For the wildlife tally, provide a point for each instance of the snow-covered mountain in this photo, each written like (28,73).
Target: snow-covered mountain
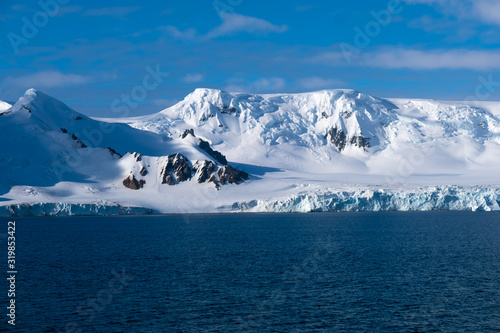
(4,106)
(337,131)
(223,151)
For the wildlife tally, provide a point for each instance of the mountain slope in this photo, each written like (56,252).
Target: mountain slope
(335,131)
(325,150)
(45,143)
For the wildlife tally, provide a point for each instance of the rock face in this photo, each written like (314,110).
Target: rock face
(79,143)
(229,175)
(138,157)
(132,183)
(187,132)
(205,146)
(360,141)
(204,171)
(169,180)
(339,139)
(177,168)
(114,153)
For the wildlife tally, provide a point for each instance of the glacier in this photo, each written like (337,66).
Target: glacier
(217,151)
(70,209)
(423,199)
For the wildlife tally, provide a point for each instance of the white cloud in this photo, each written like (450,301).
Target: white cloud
(46,79)
(235,23)
(486,11)
(329,58)
(400,58)
(111,11)
(315,82)
(262,85)
(193,78)
(174,32)
(435,59)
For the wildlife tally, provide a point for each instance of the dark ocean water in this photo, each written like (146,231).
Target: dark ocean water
(324,272)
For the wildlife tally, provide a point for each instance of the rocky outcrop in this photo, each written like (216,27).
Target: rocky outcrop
(337,138)
(204,171)
(231,109)
(132,183)
(360,141)
(340,140)
(79,143)
(229,175)
(205,146)
(187,132)
(169,180)
(177,168)
(137,156)
(114,153)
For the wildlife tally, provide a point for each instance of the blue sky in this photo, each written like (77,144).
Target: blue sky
(97,56)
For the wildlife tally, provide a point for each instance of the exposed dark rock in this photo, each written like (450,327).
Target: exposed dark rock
(345,114)
(24,106)
(78,118)
(143,171)
(64,130)
(132,183)
(114,152)
(6,113)
(228,109)
(178,166)
(212,179)
(338,138)
(169,180)
(229,175)
(187,132)
(204,170)
(182,171)
(203,118)
(138,157)
(360,141)
(178,169)
(78,141)
(205,146)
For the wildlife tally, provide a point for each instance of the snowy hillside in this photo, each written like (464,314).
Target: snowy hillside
(339,131)
(325,150)
(4,106)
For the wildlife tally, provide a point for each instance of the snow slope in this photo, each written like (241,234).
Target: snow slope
(4,106)
(324,150)
(406,138)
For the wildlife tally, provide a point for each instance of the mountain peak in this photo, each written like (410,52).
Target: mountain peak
(45,110)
